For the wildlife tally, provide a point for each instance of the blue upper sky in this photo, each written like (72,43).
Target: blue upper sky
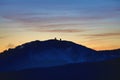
(60,7)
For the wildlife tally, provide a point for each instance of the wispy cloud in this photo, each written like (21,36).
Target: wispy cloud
(57,30)
(10,45)
(45,17)
(2,37)
(104,34)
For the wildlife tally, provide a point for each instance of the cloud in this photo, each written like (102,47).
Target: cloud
(58,30)
(2,37)
(104,34)
(85,15)
(88,10)
(10,45)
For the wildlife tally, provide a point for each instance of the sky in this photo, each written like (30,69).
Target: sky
(93,23)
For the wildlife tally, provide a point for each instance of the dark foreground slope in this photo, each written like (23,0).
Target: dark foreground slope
(108,70)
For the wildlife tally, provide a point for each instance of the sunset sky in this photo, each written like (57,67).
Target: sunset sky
(93,23)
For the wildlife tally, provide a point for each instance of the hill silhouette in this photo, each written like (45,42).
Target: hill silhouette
(54,58)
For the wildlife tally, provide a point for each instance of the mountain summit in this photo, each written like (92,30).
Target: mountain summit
(50,53)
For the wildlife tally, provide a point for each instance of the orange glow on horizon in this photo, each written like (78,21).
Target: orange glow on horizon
(94,46)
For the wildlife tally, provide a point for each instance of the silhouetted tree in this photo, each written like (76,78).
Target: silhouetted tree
(60,39)
(55,38)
